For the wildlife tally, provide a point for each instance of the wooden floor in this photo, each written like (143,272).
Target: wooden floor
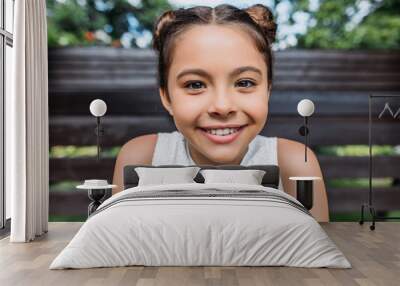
(374,255)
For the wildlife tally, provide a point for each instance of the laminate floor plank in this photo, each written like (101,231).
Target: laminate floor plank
(374,255)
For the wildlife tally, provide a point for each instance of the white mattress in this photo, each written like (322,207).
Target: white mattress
(189,230)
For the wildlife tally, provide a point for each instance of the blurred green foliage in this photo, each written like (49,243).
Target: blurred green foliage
(328,24)
(101,22)
(351,24)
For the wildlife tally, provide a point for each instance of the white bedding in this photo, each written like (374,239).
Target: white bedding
(190,230)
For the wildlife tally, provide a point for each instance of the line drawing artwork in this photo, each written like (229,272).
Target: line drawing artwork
(397,113)
(386,109)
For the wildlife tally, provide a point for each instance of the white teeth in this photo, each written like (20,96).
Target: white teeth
(222,131)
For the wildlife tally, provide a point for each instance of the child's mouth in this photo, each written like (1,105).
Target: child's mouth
(222,135)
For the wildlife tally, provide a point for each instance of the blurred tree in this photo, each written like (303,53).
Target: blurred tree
(316,24)
(350,24)
(102,22)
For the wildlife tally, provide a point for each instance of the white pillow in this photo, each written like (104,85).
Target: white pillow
(162,176)
(249,177)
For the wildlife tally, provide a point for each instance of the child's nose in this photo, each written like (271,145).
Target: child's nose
(222,104)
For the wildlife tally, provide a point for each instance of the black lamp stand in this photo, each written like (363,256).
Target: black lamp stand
(99,133)
(304,131)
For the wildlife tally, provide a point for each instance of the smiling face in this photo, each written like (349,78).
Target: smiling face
(217,85)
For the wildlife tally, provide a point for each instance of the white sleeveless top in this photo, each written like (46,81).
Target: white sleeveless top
(172,149)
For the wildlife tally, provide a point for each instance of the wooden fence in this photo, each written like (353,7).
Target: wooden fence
(338,82)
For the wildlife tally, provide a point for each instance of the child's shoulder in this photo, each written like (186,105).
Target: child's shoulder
(147,138)
(289,143)
(139,149)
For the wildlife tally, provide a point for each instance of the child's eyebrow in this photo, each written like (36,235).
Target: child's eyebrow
(203,73)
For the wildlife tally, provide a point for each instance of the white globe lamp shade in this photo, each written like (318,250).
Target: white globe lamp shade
(98,107)
(305,107)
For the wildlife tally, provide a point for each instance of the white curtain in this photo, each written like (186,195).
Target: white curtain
(27,156)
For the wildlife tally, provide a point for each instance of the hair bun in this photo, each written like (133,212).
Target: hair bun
(264,18)
(164,20)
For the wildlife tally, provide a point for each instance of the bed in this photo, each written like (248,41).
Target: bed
(201,223)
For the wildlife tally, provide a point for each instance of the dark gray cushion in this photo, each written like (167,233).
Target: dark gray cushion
(270,179)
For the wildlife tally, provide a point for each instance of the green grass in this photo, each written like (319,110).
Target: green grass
(334,217)
(64,186)
(82,151)
(355,216)
(334,150)
(67,218)
(358,183)
(357,150)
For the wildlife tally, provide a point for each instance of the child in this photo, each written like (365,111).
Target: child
(215,77)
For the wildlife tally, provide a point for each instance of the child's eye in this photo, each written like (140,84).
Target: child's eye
(194,85)
(240,83)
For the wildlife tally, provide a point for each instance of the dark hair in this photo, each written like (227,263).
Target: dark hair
(256,19)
